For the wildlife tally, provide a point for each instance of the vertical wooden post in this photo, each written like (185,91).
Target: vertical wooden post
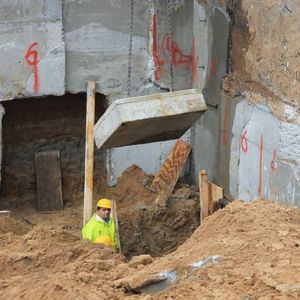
(115,217)
(204,195)
(89,152)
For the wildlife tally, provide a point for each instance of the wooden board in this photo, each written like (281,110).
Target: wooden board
(48,179)
(204,195)
(210,194)
(165,180)
(89,152)
(115,217)
(217,193)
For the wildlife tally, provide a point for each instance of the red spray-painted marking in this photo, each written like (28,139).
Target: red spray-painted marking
(31,58)
(244,142)
(273,168)
(260,164)
(157,62)
(213,67)
(194,62)
(178,56)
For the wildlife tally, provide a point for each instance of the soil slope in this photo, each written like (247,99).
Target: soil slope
(257,247)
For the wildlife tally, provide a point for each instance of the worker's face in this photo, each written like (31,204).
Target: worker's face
(104,213)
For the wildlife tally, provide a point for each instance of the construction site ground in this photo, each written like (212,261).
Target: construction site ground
(244,251)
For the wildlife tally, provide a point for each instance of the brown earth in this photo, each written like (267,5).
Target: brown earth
(146,228)
(257,244)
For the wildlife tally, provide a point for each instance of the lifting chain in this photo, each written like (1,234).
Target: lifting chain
(170,39)
(176,4)
(130,47)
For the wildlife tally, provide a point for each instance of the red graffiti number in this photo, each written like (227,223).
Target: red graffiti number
(31,58)
(244,142)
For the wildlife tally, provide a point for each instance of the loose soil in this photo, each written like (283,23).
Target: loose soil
(147,228)
(257,244)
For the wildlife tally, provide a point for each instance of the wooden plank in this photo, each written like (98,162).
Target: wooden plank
(4,213)
(89,152)
(204,195)
(48,178)
(216,195)
(115,217)
(165,180)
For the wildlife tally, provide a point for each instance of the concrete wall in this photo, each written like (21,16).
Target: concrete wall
(211,30)
(259,108)
(185,66)
(248,140)
(96,35)
(89,39)
(263,153)
(32,49)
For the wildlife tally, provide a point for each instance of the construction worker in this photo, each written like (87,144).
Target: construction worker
(101,228)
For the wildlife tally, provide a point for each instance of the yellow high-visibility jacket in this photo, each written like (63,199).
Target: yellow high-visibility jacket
(95,228)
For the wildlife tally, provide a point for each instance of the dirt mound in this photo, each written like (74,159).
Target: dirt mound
(147,228)
(245,250)
(131,190)
(8,224)
(59,263)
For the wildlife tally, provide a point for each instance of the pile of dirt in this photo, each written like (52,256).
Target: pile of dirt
(18,227)
(244,251)
(132,190)
(52,263)
(149,229)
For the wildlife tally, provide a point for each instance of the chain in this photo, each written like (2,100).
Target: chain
(130,46)
(176,4)
(169,10)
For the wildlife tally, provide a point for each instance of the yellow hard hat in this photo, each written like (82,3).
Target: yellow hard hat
(104,239)
(105,203)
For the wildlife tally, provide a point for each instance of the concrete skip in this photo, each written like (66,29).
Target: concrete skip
(150,118)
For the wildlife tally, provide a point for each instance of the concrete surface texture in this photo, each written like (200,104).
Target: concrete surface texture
(96,34)
(264,158)
(147,119)
(32,49)
(211,32)
(259,114)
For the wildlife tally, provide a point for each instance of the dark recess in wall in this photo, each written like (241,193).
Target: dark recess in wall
(43,124)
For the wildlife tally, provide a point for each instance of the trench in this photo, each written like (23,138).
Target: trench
(158,230)
(146,228)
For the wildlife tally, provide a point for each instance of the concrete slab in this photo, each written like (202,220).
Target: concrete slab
(146,119)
